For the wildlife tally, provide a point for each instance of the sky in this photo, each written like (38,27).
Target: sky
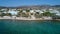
(28,2)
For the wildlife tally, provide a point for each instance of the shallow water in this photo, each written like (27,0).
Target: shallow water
(29,27)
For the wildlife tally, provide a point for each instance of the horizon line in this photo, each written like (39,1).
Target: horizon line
(26,5)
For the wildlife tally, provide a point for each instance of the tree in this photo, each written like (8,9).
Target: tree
(27,13)
(20,13)
(37,15)
(48,14)
(8,14)
(7,10)
(1,13)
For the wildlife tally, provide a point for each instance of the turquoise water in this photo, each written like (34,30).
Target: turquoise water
(29,27)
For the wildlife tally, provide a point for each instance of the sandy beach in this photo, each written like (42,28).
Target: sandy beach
(22,18)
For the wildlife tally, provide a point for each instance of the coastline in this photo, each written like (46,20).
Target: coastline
(20,18)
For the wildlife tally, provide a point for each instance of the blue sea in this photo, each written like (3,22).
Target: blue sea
(29,27)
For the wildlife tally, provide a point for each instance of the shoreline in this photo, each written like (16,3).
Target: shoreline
(23,18)
(28,19)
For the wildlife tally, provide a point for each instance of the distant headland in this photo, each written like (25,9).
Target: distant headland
(33,6)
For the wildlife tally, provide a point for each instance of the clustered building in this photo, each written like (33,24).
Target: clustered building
(31,12)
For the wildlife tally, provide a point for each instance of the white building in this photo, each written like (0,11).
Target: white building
(13,12)
(31,11)
(24,11)
(40,11)
(3,9)
(55,11)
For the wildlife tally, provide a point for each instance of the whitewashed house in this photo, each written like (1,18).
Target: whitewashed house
(31,11)
(24,11)
(44,10)
(13,12)
(50,9)
(55,11)
(3,9)
(39,11)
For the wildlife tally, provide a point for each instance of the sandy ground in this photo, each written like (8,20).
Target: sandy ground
(22,18)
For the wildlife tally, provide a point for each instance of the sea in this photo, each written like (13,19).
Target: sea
(29,27)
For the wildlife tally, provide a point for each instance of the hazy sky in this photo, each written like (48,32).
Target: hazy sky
(28,2)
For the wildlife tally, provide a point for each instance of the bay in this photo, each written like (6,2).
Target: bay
(29,27)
